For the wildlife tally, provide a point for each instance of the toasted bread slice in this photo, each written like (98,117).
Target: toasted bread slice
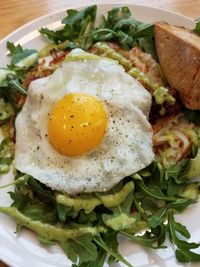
(178,52)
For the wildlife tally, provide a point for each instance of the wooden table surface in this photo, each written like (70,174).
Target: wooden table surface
(15,13)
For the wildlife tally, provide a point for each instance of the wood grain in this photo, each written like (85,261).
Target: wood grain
(15,13)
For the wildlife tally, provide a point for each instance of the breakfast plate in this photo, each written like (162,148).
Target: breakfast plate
(23,249)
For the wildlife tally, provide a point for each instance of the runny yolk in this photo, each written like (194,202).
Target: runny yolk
(77,124)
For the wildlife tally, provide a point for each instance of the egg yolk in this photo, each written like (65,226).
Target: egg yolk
(77,124)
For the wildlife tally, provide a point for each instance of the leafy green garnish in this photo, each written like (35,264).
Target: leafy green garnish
(63,212)
(110,250)
(178,171)
(13,83)
(183,251)
(118,26)
(197,27)
(152,238)
(98,262)
(22,58)
(40,211)
(83,247)
(12,78)
(78,24)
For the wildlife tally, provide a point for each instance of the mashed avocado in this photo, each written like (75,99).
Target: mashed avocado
(88,204)
(51,232)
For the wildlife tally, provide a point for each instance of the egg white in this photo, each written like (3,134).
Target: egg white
(127,145)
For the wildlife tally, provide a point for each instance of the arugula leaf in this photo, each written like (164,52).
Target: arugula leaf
(98,240)
(40,211)
(178,171)
(22,58)
(19,201)
(153,238)
(77,26)
(14,83)
(181,229)
(99,262)
(41,190)
(154,192)
(63,211)
(183,253)
(117,18)
(90,218)
(187,256)
(158,218)
(76,19)
(11,84)
(111,239)
(19,197)
(118,26)
(197,27)
(72,255)
(69,251)
(122,28)
(83,247)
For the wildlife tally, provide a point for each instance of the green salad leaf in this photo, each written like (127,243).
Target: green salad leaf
(110,250)
(22,58)
(197,27)
(40,211)
(183,248)
(178,171)
(14,83)
(118,26)
(98,262)
(77,26)
(81,249)
(12,77)
(63,212)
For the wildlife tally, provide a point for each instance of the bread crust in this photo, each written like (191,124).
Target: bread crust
(178,52)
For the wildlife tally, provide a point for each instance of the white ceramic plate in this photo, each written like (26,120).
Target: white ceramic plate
(24,249)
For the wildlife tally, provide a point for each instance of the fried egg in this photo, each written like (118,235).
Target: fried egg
(85,127)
